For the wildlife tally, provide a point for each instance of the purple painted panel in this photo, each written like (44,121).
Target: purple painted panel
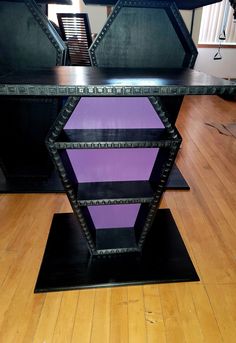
(101,165)
(114,113)
(114,216)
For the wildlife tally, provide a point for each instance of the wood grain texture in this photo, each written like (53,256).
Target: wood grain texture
(119,315)
(202,311)
(153,314)
(136,315)
(100,332)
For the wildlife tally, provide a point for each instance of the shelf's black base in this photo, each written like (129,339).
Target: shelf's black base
(35,184)
(54,185)
(68,265)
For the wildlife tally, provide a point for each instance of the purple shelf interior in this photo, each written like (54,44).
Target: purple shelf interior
(114,113)
(114,216)
(104,165)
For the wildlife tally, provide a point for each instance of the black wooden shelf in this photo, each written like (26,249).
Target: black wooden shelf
(103,138)
(96,193)
(90,81)
(181,4)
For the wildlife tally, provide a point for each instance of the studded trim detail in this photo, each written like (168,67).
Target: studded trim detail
(48,90)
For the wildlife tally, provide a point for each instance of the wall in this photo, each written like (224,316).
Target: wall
(224,68)
(187,17)
(97,16)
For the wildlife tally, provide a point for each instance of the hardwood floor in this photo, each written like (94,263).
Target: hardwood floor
(202,311)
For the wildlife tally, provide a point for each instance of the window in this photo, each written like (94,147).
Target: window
(215,19)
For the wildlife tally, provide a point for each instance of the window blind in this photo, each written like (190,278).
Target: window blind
(212,24)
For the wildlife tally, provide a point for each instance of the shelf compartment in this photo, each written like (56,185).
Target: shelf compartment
(114,113)
(114,192)
(113,216)
(115,227)
(108,165)
(100,122)
(114,176)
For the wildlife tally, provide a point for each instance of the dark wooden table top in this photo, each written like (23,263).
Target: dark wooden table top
(92,81)
(181,4)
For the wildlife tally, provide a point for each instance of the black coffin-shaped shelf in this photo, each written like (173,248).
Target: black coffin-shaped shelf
(114,163)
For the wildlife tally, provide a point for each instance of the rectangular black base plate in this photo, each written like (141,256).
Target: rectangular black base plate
(68,265)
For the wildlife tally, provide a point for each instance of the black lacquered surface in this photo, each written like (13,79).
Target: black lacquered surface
(91,80)
(116,238)
(103,136)
(67,263)
(181,4)
(126,191)
(59,2)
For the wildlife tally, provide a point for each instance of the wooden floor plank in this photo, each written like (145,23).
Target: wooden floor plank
(173,324)
(119,315)
(187,313)
(223,301)
(136,315)
(84,317)
(153,314)
(101,317)
(208,323)
(66,318)
(6,261)
(12,208)
(48,318)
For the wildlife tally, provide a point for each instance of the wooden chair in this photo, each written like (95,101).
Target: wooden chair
(75,30)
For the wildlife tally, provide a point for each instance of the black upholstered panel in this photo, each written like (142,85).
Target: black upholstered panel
(124,47)
(144,34)
(27,38)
